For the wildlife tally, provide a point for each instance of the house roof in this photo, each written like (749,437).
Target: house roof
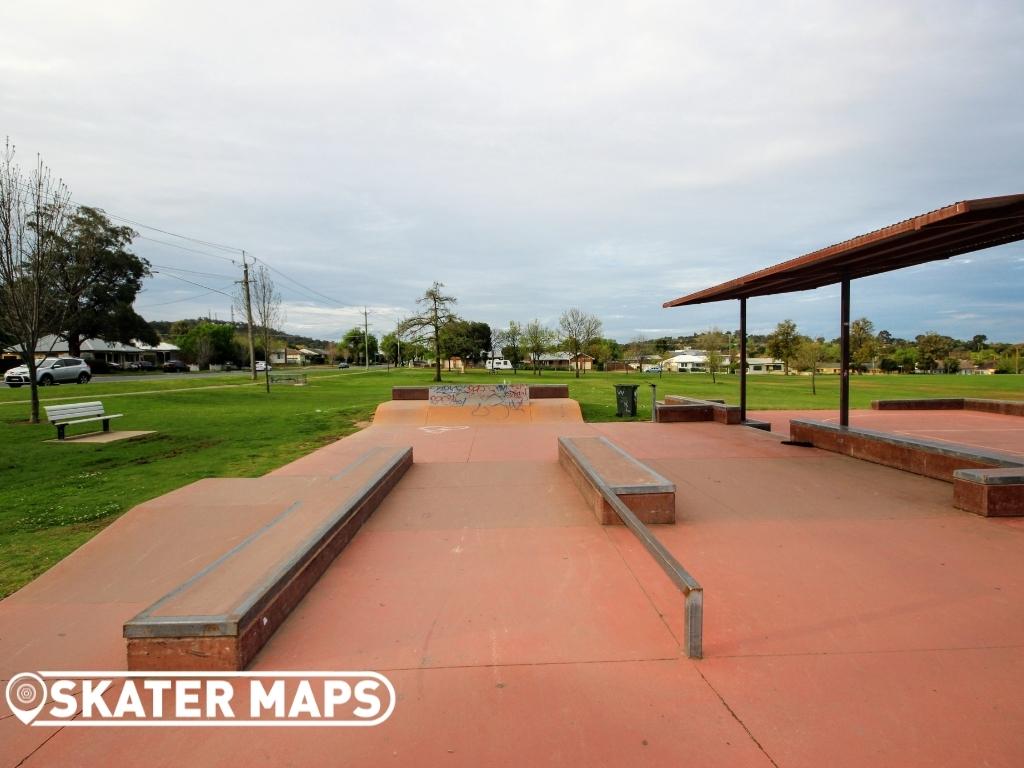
(51,344)
(969,225)
(558,356)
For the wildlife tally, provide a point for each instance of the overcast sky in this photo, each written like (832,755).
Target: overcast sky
(532,156)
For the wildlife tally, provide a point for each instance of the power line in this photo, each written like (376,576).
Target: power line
(192,271)
(184,248)
(175,301)
(197,285)
(322,296)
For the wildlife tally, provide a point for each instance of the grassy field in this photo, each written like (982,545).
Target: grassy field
(55,497)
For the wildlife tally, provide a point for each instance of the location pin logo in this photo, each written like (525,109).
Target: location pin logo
(26,695)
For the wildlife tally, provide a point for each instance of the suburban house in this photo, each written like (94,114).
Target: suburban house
(689,361)
(300,356)
(831,369)
(765,365)
(111,352)
(562,361)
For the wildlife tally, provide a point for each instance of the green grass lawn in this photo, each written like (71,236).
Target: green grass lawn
(55,497)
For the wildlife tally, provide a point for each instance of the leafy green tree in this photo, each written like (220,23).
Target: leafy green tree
(808,356)
(100,278)
(389,346)
(862,342)
(209,343)
(783,343)
(537,340)
(511,340)
(360,345)
(933,350)
(713,341)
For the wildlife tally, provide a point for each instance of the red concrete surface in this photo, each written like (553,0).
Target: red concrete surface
(853,617)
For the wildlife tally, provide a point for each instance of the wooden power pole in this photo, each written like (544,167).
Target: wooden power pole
(248,316)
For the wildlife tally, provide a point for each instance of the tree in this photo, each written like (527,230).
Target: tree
(364,347)
(511,341)
(436,312)
(100,279)
(808,355)
(933,349)
(389,346)
(466,340)
(579,330)
(862,342)
(783,343)
(713,341)
(637,349)
(34,212)
(209,343)
(978,342)
(537,340)
(266,304)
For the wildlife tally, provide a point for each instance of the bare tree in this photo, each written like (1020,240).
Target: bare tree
(537,340)
(266,302)
(426,326)
(34,212)
(578,329)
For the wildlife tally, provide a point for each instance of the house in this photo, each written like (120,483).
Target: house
(829,369)
(111,352)
(689,361)
(296,356)
(562,361)
(765,365)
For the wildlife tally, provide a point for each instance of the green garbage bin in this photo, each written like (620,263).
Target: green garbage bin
(625,399)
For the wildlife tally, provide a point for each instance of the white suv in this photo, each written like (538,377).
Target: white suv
(52,370)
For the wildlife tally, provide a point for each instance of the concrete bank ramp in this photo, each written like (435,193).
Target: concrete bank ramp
(421,413)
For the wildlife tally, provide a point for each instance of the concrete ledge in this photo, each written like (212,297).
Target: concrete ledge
(651,497)
(985,482)
(1003,407)
(549,391)
(410,393)
(676,408)
(221,617)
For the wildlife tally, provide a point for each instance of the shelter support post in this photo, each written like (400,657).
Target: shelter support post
(743,360)
(844,343)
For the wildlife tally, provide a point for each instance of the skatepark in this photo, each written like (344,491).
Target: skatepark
(852,614)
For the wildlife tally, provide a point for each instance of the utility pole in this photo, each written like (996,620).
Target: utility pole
(248,316)
(366,340)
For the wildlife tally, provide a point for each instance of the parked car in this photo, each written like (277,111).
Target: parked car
(175,366)
(262,365)
(654,369)
(343,364)
(52,370)
(142,365)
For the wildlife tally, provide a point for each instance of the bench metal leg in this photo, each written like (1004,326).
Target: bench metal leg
(106,425)
(60,431)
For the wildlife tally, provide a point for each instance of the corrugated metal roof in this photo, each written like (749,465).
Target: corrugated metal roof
(969,225)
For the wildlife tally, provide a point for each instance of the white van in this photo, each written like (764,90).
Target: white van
(498,364)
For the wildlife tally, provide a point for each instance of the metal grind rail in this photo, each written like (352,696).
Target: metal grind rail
(693,592)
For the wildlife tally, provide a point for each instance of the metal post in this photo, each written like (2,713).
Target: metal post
(743,360)
(844,344)
(654,401)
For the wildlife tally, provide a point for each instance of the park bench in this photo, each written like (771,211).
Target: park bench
(986,482)
(595,461)
(287,378)
(221,617)
(62,416)
(620,487)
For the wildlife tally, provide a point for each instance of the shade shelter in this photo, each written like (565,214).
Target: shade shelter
(970,225)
